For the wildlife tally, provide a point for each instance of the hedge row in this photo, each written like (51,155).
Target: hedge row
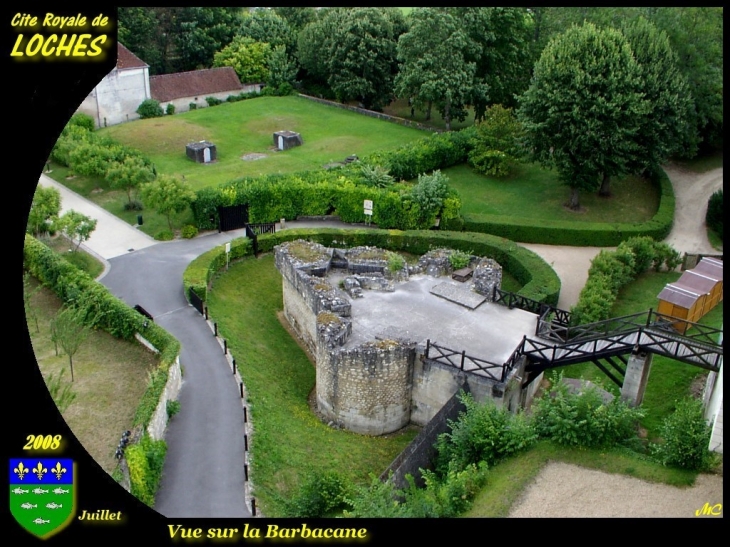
(612,270)
(110,313)
(145,460)
(438,151)
(596,234)
(539,280)
(318,193)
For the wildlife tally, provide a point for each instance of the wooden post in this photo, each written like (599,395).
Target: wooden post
(463,354)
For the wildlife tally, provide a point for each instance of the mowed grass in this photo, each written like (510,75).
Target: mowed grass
(330,134)
(289,441)
(534,193)
(110,376)
(77,257)
(669,379)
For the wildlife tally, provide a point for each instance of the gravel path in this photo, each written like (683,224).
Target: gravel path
(565,490)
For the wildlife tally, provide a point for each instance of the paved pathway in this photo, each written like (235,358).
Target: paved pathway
(142,271)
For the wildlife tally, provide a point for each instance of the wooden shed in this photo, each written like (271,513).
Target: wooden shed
(693,295)
(712,269)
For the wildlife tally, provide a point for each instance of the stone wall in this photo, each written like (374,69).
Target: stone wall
(373,114)
(420,452)
(116,98)
(365,389)
(158,424)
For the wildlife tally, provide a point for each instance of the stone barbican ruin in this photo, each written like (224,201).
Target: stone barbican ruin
(371,328)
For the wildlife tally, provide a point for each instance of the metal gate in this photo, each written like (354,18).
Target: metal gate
(232,218)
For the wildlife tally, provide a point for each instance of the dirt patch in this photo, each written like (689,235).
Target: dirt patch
(565,490)
(254,157)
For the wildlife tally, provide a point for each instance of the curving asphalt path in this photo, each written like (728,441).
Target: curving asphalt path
(204,474)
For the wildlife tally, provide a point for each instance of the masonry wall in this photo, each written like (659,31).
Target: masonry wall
(116,98)
(366,389)
(183,104)
(299,314)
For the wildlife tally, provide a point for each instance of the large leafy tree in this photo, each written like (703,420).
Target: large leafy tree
(354,51)
(668,128)
(584,106)
(500,47)
(172,39)
(250,59)
(435,67)
(129,175)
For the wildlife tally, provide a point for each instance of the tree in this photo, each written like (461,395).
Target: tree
(434,66)
(583,108)
(171,39)
(353,50)
(667,129)
(129,175)
(44,210)
(429,194)
(77,227)
(70,332)
(501,51)
(250,59)
(168,195)
(281,69)
(497,143)
(265,25)
(297,17)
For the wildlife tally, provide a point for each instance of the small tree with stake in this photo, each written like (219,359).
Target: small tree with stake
(168,195)
(70,332)
(77,227)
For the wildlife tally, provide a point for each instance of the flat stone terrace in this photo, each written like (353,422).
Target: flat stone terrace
(490,331)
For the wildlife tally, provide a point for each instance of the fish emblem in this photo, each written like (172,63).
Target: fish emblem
(27,505)
(60,491)
(19,491)
(53,505)
(40,491)
(41,521)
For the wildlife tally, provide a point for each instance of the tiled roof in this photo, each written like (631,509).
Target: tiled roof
(196,83)
(127,59)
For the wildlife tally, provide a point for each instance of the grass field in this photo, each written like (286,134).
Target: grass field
(246,127)
(536,193)
(289,441)
(110,376)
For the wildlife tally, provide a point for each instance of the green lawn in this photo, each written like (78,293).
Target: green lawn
(289,440)
(669,380)
(536,193)
(110,376)
(702,163)
(330,134)
(77,257)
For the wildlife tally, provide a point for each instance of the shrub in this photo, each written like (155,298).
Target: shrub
(82,120)
(173,407)
(496,144)
(459,259)
(213,101)
(193,106)
(482,433)
(189,231)
(320,495)
(376,175)
(170,109)
(150,108)
(686,438)
(164,235)
(715,212)
(429,195)
(583,419)
(395,261)
(145,460)
(134,205)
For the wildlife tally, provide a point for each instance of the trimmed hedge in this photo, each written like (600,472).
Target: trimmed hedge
(318,193)
(595,234)
(71,284)
(539,280)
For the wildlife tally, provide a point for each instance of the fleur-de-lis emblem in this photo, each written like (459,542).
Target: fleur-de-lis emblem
(58,470)
(21,471)
(39,470)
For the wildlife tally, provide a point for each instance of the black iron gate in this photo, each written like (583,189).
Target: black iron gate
(233,217)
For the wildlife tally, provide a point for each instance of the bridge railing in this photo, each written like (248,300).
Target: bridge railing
(467,363)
